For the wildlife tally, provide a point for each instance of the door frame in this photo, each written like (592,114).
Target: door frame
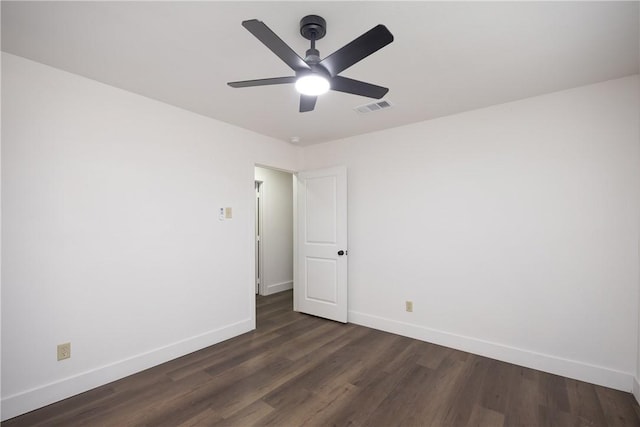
(259,224)
(252,300)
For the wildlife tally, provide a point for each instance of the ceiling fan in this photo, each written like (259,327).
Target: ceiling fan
(315,76)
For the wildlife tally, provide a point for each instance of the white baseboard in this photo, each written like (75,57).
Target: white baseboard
(278,287)
(636,390)
(556,365)
(38,397)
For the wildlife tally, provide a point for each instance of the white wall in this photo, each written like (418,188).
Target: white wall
(277,232)
(513,229)
(110,233)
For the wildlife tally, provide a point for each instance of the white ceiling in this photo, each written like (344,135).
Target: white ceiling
(446,58)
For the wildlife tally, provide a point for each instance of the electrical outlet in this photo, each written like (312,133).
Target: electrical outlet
(64,351)
(408,305)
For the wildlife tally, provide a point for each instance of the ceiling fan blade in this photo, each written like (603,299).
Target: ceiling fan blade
(307,103)
(263,82)
(356,87)
(275,43)
(368,43)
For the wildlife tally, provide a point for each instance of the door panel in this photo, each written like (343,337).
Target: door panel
(321,280)
(321,210)
(320,286)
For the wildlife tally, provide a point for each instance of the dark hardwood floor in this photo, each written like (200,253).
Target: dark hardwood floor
(297,370)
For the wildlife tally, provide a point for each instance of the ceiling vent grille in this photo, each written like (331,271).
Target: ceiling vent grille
(375,106)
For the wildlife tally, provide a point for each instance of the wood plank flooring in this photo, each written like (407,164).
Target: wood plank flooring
(296,370)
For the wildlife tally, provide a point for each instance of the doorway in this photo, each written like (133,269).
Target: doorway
(274,231)
(317,258)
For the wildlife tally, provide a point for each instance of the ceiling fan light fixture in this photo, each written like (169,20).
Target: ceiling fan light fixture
(312,85)
(313,75)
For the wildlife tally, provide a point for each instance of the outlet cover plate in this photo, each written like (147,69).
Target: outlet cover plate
(64,351)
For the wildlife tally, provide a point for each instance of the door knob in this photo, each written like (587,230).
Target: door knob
(340,252)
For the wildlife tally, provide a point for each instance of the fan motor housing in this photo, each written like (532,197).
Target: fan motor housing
(313,27)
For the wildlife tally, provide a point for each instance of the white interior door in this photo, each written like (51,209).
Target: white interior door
(320,285)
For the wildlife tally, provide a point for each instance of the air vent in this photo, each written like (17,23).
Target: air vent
(376,106)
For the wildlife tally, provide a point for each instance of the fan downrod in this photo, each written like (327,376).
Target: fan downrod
(313,27)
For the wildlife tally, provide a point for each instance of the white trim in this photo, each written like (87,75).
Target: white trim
(260,223)
(40,396)
(556,365)
(294,177)
(636,390)
(278,287)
